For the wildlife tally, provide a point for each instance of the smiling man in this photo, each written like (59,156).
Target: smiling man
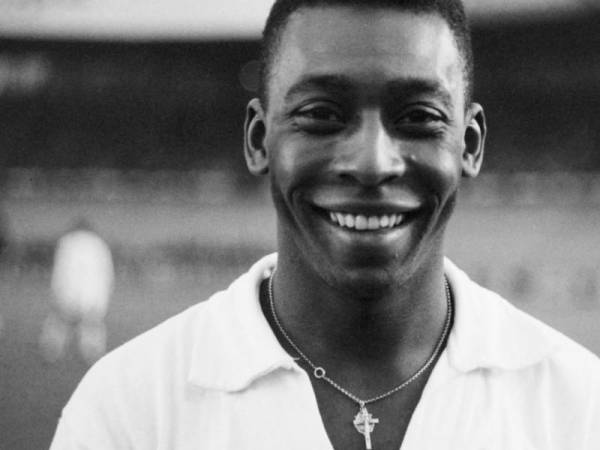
(358,334)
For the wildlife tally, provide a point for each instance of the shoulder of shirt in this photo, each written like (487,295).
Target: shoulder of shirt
(119,396)
(209,335)
(491,333)
(166,347)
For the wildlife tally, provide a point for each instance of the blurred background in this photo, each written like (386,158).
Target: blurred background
(128,114)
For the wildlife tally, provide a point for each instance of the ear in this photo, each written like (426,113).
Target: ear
(254,139)
(474,141)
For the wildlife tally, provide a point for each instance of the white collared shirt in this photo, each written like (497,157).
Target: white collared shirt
(215,377)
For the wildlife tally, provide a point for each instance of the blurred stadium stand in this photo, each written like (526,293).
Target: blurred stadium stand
(179,105)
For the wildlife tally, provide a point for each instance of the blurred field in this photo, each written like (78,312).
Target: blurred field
(544,256)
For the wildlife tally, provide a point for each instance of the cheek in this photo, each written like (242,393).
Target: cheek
(449,170)
(296,163)
(440,168)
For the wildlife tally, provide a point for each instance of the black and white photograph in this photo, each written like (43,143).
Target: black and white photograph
(300,224)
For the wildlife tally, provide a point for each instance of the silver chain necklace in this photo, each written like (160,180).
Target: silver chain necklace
(364,422)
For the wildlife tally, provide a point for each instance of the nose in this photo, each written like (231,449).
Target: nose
(373,156)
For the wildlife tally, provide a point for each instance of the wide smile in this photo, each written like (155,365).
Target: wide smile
(368,218)
(367,232)
(366,222)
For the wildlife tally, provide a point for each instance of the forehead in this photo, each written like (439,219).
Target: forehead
(369,47)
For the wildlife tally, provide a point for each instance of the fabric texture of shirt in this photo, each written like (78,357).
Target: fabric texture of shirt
(215,377)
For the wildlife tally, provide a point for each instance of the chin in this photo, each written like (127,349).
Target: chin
(371,276)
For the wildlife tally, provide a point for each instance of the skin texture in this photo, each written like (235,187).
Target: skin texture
(366,116)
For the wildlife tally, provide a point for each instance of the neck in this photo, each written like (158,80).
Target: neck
(395,328)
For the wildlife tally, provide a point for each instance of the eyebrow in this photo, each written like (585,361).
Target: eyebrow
(393,89)
(419,86)
(309,83)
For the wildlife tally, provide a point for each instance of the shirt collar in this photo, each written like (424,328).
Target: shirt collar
(234,344)
(490,333)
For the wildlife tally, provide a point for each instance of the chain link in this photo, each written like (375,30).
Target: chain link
(320,373)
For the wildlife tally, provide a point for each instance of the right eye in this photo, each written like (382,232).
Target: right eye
(320,118)
(320,113)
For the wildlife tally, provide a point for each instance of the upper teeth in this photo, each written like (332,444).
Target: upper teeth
(364,222)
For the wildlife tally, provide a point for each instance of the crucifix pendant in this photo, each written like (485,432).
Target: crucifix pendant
(364,424)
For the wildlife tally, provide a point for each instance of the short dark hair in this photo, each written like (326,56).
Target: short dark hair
(452,11)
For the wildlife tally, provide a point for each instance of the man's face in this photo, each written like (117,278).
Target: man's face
(365,137)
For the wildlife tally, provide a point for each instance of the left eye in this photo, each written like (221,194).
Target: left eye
(420,117)
(420,123)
